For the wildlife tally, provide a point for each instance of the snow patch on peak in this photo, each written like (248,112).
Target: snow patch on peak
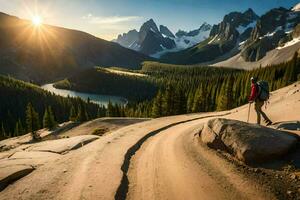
(271,34)
(184,42)
(296,8)
(290,43)
(241,29)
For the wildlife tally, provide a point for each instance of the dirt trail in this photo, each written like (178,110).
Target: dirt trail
(172,165)
(91,172)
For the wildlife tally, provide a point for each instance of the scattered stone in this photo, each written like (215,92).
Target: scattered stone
(247,142)
(65,170)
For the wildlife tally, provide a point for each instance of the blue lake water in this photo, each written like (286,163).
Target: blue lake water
(95,98)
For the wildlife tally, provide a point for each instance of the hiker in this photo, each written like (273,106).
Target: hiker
(259,102)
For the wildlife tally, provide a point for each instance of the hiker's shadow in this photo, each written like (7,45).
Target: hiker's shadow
(292,158)
(287,125)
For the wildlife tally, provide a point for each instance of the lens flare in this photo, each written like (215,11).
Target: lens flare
(37,20)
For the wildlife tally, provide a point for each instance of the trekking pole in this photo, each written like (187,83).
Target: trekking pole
(248,113)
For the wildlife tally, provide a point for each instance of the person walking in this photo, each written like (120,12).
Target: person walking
(258,103)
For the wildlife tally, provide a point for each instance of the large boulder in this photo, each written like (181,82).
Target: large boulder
(247,142)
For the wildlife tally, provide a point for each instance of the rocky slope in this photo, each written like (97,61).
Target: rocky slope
(223,37)
(250,37)
(47,52)
(285,51)
(272,30)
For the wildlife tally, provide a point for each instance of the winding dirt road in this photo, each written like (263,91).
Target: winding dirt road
(172,165)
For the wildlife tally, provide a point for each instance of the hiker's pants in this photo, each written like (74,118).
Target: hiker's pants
(258,108)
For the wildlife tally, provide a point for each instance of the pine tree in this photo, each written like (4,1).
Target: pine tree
(229,92)
(46,119)
(157,105)
(110,109)
(287,75)
(32,121)
(168,101)
(20,126)
(16,132)
(99,113)
(82,114)
(52,118)
(290,74)
(179,101)
(222,98)
(190,102)
(198,100)
(3,134)
(72,116)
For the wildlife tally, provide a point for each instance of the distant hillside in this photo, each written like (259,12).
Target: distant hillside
(109,82)
(48,52)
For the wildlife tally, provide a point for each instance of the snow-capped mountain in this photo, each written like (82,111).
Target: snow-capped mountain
(273,29)
(185,39)
(244,33)
(245,37)
(296,8)
(155,42)
(236,26)
(222,38)
(149,39)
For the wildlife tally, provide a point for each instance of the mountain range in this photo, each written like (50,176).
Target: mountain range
(47,53)
(241,38)
(154,41)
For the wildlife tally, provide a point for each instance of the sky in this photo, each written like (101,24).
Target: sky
(108,18)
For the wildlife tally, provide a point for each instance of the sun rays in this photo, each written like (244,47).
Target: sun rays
(37,20)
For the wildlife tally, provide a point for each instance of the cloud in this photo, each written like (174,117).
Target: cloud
(110,20)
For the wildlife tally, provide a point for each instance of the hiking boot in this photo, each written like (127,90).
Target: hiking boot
(269,123)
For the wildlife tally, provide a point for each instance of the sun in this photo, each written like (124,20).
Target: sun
(37,20)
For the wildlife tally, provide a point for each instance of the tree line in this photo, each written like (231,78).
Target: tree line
(25,107)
